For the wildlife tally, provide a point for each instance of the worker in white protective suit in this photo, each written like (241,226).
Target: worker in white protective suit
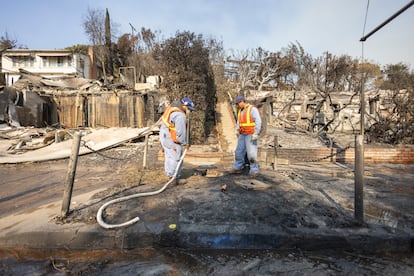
(174,134)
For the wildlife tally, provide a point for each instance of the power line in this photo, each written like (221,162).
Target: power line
(363,30)
(366,16)
(364,38)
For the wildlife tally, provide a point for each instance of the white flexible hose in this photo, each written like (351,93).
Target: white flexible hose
(132,221)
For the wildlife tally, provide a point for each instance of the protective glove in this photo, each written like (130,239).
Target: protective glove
(237,132)
(254,137)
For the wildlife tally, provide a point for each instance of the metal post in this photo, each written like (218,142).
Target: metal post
(362,107)
(67,193)
(144,164)
(359,179)
(359,162)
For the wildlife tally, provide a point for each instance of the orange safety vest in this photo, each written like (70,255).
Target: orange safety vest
(166,119)
(246,121)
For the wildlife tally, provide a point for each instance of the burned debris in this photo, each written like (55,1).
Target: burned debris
(37,111)
(71,102)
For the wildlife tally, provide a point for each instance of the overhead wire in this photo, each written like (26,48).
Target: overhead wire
(392,17)
(363,31)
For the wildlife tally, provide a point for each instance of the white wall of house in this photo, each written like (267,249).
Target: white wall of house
(47,63)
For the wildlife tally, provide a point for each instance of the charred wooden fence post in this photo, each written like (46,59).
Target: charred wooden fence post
(67,193)
(275,146)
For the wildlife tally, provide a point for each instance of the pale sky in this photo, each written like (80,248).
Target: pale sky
(335,26)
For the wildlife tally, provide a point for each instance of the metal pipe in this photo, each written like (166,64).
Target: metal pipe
(144,162)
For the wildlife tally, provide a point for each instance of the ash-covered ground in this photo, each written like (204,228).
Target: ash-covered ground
(315,196)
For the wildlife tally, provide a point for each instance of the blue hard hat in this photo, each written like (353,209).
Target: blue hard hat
(239,99)
(188,102)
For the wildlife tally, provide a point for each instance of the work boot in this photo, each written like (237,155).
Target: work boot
(234,171)
(253,175)
(180,181)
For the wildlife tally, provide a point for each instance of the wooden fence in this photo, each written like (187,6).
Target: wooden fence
(127,109)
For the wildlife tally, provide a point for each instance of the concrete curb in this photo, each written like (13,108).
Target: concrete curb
(189,236)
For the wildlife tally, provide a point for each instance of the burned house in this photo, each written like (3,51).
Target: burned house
(72,102)
(59,88)
(306,110)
